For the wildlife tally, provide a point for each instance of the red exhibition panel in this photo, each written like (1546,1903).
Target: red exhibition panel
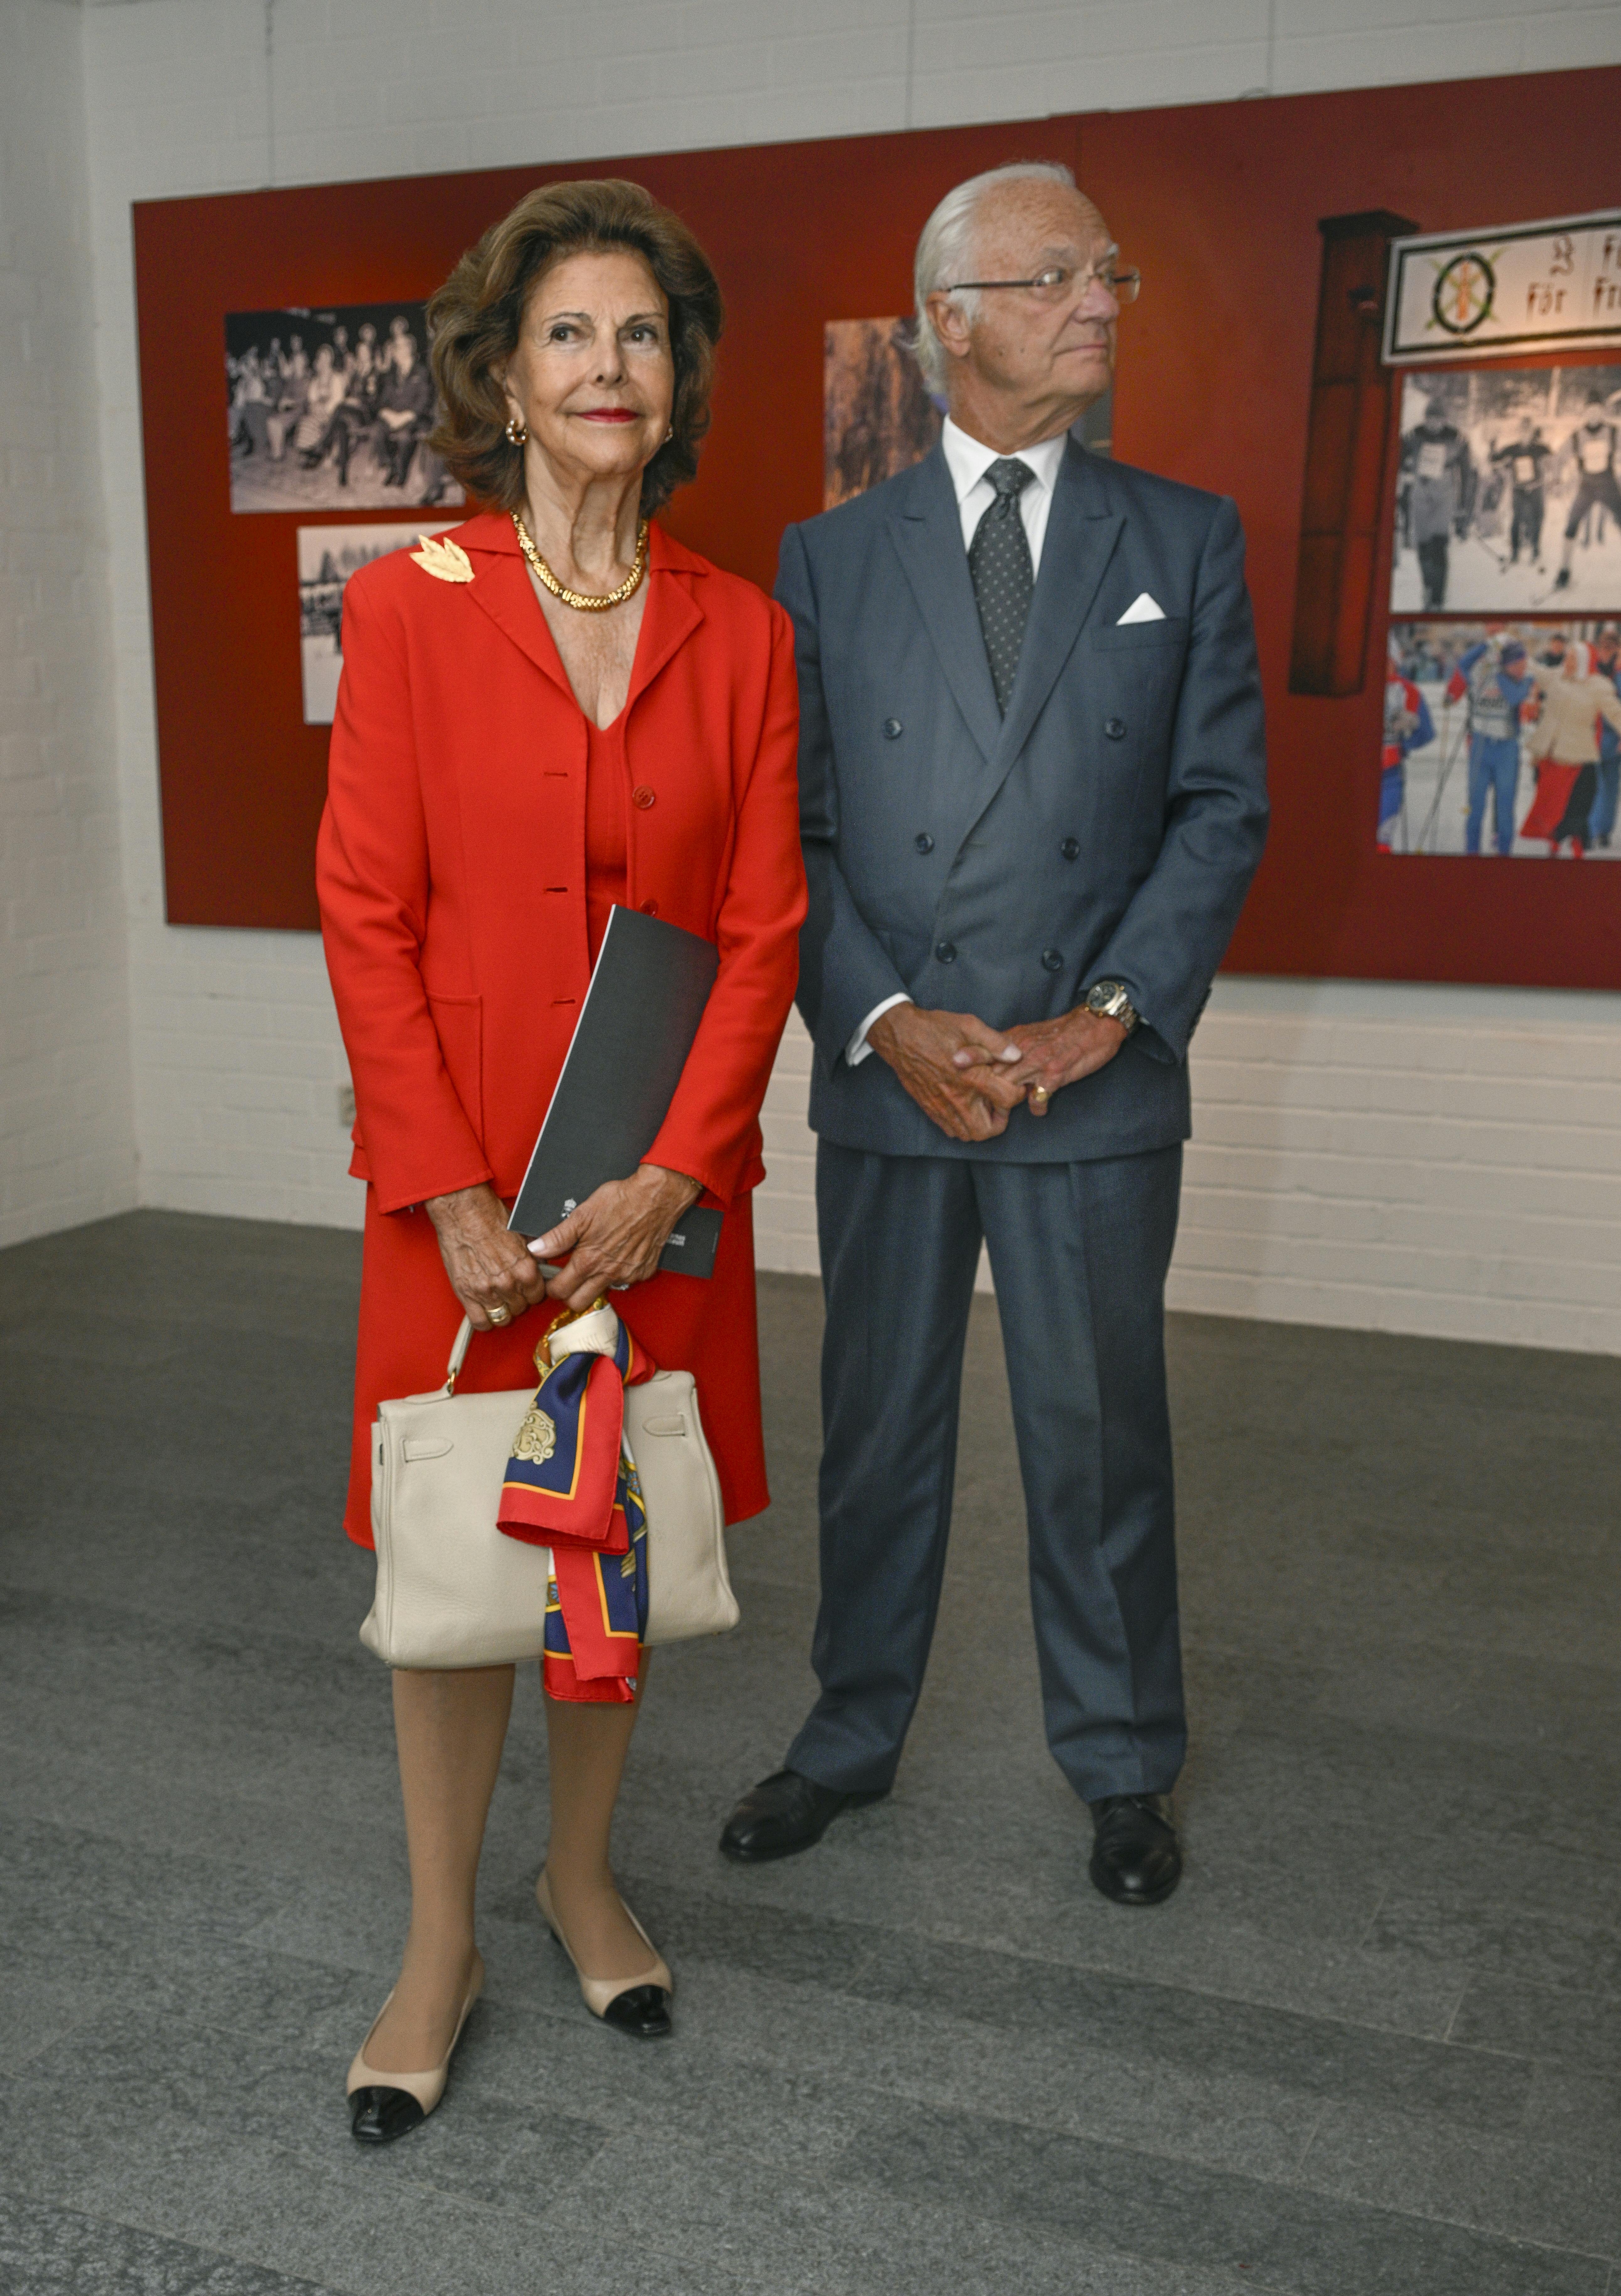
(1218,204)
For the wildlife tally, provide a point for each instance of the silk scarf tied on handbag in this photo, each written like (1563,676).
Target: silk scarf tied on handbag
(571,1485)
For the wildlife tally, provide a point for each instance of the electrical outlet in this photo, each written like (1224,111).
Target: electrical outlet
(346,1106)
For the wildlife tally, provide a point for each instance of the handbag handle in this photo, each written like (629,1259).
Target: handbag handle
(458,1352)
(458,1355)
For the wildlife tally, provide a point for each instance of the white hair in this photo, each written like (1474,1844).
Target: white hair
(946,250)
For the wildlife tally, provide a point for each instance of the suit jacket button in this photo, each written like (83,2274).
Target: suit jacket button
(924,842)
(1070,847)
(892,729)
(650,908)
(947,951)
(641,797)
(1051,960)
(1115,727)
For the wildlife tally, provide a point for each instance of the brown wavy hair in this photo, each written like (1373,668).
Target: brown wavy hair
(475,318)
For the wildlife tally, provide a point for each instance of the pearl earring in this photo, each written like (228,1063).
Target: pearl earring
(516,431)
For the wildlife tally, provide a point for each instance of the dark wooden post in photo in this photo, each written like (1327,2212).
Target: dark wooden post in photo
(1345,456)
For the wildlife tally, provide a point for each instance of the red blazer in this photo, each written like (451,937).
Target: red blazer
(451,868)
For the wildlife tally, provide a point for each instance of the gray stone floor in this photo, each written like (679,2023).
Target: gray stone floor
(1371,2046)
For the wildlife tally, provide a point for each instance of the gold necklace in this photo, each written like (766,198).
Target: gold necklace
(585,601)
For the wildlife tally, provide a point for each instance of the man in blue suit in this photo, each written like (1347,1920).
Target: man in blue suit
(1033,795)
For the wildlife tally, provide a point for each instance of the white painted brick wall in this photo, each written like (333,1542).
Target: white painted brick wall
(1373,1154)
(1419,1159)
(1408,1159)
(66,1139)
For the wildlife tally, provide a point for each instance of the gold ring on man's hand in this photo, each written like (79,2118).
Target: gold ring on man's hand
(499,1315)
(1040,1092)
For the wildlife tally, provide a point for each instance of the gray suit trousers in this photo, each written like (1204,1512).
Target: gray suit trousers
(1079,1252)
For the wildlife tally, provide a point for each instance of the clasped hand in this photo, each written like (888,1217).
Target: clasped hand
(968,1079)
(613,1239)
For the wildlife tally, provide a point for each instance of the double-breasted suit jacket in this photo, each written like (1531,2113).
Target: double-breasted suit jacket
(451,877)
(1106,828)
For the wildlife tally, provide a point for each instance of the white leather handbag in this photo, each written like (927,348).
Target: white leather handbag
(455,1591)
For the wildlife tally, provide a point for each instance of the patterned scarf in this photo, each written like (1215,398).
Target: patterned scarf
(571,1486)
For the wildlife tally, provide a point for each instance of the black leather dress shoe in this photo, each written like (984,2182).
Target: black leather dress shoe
(784,1813)
(377,2116)
(1136,1860)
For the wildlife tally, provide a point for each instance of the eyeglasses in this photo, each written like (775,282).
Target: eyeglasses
(1125,286)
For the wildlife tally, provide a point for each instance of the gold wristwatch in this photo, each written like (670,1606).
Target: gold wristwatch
(1109,1001)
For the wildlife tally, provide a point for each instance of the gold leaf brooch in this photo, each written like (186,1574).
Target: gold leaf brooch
(447,561)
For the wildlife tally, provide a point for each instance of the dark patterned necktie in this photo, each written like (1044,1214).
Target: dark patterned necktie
(1004,578)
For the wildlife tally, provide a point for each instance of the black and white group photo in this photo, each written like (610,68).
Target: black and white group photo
(332,409)
(1508,493)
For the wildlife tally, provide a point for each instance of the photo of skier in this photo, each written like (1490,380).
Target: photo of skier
(1501,739)
(1408,726)
(1598,498)
(1523,464)
(1509,491)
(1494,683)
(1606,662)
(1578,699)
(1437,494)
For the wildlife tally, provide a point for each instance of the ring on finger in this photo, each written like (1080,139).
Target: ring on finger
(1040,1092)
(499,1315)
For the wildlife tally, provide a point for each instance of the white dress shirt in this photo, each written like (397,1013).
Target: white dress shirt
(967,460)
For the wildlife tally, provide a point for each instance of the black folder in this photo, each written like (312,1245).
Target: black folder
(647,990)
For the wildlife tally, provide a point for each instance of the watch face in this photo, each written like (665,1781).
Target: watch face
(1110,1002)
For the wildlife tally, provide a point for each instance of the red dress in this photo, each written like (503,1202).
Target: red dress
(469,849)
(1554,783)
(607,837)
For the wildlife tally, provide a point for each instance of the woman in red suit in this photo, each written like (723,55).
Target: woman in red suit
(553,709)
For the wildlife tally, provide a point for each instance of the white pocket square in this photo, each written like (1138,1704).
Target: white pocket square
(1143,608)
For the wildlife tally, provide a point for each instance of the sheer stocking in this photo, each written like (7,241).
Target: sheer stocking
(588,1746)
(451,1728)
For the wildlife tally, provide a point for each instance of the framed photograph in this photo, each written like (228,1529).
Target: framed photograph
(1502,738)
(327,557)
(1509,491)
(878,413)
(331,410)
(878,416)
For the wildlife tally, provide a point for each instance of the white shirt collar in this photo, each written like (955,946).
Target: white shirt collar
(969,459)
